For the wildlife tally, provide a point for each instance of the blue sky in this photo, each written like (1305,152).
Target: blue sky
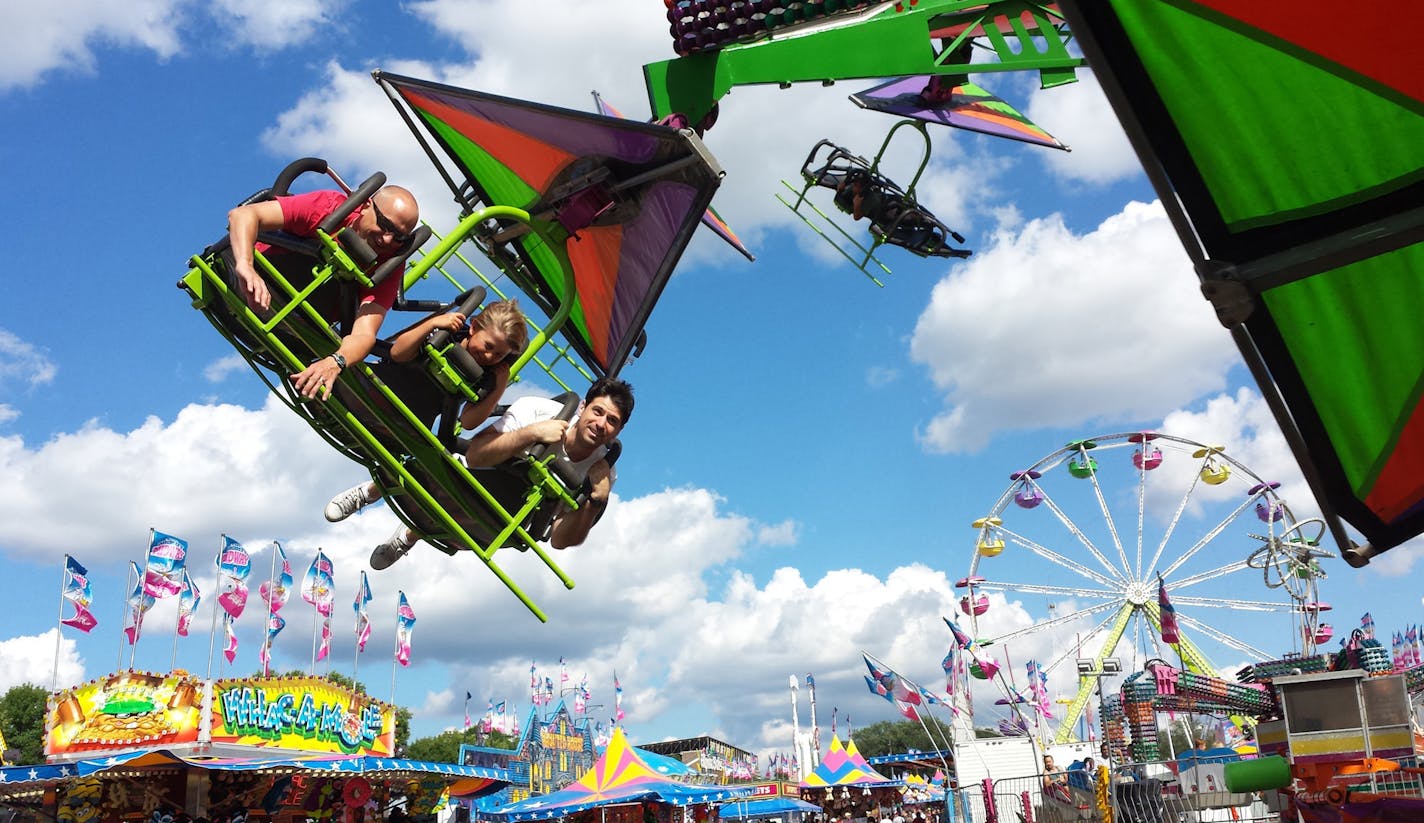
(808,451)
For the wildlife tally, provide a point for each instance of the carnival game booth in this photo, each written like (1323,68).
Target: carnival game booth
(621,788)
(133,744)
(843,783)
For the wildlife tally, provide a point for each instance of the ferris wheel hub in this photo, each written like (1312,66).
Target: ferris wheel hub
(1138,593)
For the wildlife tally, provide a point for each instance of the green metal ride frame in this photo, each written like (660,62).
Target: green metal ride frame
(401,446)
(1191,657)
(884,40)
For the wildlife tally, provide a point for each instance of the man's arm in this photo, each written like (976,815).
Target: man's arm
(320,377)
(492,447)
(243,224)
(571,528)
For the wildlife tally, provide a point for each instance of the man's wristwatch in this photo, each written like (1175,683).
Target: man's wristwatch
(340,361)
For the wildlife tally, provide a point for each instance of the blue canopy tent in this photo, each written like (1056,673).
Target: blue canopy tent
(770,807)
(662,764)
(618,776)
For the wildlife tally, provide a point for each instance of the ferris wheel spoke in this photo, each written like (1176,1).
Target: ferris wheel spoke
(1232,603)
(1110,522)
(1054,557)
(1044,588)
(1141,510)
(1222,637)
(1210,574)
(1176,518)
(1205,539)
(1063,618)
(1082,538)
(1072,651)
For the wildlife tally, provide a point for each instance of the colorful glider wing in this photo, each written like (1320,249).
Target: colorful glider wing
(963,106)
(615,202)
(1287,140)
(710,218)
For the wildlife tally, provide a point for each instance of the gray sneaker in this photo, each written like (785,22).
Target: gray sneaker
(393,549)
(347,503)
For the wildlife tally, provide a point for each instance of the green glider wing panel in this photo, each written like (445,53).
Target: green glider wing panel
(1286,139)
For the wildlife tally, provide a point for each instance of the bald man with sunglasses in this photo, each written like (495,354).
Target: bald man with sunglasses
(385,222)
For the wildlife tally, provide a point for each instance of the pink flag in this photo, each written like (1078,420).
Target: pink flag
(275,624)
(405,626)
(1168,617)
(137,605)
(234,565)
(230,651)
(363,618)
(325,648)
(167,556)
(77,590)
(82,620)
(188,601)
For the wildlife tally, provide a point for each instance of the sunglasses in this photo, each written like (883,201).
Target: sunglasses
(387,226)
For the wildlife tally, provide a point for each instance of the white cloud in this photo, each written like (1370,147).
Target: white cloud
(31,660)
(22,362)
(8,413)
(218,370)
(253,470)
(877,376)
(38,38)
(277,24)
(1049,328)
(1080,116)
(784,533)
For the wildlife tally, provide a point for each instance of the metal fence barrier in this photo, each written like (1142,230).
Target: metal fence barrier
(1131,793)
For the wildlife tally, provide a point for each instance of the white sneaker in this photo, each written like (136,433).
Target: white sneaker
(348,502)
(393,549)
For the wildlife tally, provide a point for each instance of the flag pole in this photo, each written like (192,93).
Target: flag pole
(59,625)
(124,612)
(143,588)
(395,650)
(213,629)
(173,662)
(267,628)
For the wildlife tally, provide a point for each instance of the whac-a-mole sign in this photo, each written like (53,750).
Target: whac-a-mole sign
(300,713)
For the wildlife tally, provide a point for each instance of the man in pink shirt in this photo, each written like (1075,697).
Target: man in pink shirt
(385,222)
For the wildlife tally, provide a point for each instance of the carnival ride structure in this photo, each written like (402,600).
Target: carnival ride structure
(585,215)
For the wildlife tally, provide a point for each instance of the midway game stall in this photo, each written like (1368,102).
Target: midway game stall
(142,746)
(621,788)
(846,786)
(777,800)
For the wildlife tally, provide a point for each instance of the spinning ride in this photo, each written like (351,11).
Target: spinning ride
(1130,527)
(584,216)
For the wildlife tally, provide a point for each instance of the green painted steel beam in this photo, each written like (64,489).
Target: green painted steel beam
(1087,684)
(876,43)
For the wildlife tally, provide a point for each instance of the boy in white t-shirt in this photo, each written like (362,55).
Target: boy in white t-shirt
(583,444)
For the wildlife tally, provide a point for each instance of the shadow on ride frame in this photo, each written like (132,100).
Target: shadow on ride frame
(381,413)
(863,191)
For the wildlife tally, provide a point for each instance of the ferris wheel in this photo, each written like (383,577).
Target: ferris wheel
(1099,528)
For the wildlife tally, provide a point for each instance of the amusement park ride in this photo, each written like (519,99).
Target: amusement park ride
(586,216)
